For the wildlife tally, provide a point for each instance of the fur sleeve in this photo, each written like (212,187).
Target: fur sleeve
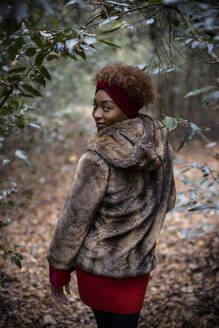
(86,193)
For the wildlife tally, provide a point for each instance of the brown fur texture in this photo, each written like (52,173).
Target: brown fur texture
(134,80)
(115,210)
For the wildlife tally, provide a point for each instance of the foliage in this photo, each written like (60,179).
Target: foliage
(30,39)
(12,254)
(202,193)
(5,203)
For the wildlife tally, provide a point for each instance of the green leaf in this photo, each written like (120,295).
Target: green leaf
(108,20)
(38,41)
(13,51)
(17,70)
(20,123)
(51,57)
(200,208)
(40,13)
(45,72)
(188,137)
(39,59)
(54,21)
(154,2)
(31,90)
(26,95)
(112,30)
(108,43)
(19,255)
(2,224)
(30,52)
(82,54)
(14,78)
(40,80)
(59,37)
(4,91)
(199,91)
(170,122)
(72,56)
(11,203)
(16,261)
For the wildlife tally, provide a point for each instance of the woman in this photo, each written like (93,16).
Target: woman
(122,189)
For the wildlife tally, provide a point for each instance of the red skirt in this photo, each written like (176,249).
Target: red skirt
(117,295)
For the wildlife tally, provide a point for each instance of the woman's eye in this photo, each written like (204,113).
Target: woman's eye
(94,106)
(106,108)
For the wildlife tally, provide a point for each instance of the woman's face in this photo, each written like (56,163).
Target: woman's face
(105,111)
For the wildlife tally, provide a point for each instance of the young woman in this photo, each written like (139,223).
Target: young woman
(122,189)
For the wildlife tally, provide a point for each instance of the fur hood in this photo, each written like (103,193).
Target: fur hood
(138,143)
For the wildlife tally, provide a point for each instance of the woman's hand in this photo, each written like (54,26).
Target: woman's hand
(59,295)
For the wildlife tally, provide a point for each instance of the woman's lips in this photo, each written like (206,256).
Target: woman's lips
(100,125)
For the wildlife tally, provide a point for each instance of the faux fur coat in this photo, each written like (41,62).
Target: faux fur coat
(122,189)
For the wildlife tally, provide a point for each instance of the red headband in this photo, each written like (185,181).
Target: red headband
(121,98)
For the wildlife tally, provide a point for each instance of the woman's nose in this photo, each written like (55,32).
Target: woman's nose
(97,113)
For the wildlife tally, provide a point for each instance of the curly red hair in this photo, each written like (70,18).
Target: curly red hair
(134,80)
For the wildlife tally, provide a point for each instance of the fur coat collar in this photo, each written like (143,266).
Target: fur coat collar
(138,143)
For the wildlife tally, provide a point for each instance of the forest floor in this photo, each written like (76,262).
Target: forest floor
(183,290)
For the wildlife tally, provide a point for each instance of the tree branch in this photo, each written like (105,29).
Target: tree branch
(124,13)
(196,36)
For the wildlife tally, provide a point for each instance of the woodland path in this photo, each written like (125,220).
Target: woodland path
(183,291)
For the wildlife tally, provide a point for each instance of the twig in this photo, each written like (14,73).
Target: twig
(93,19)
(170,34)
(6,97)
(209,125)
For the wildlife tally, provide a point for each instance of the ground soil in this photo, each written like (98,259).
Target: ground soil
(183,291)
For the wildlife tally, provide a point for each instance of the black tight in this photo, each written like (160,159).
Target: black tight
(115,320)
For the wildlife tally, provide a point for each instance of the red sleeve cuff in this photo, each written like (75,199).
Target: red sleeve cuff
(59,278)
